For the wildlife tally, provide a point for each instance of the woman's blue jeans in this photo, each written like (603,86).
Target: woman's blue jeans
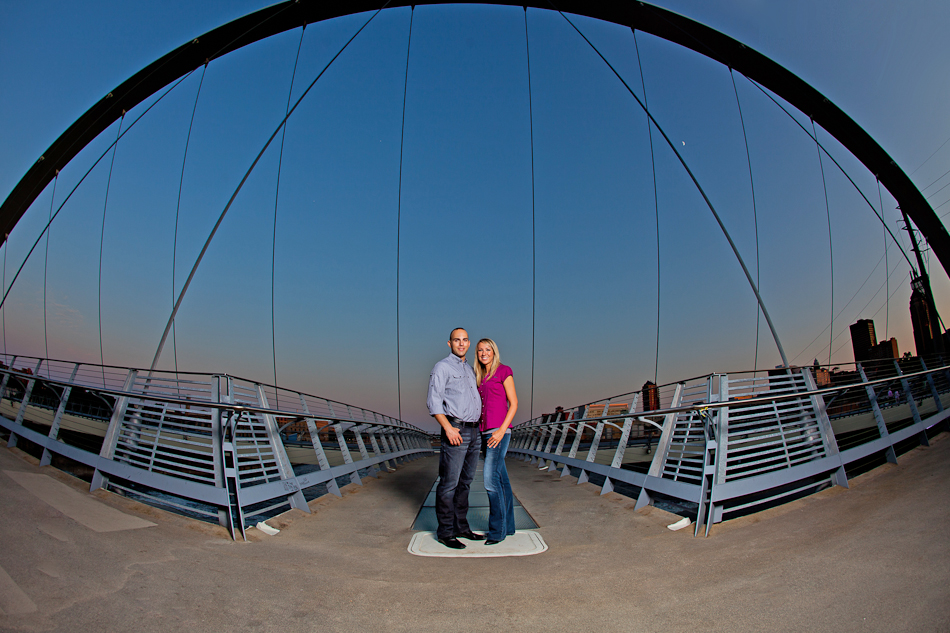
(501,517)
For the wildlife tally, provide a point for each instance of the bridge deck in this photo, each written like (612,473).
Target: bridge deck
(874,558)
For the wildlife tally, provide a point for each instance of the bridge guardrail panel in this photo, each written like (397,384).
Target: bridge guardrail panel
(165,434)
(770,437)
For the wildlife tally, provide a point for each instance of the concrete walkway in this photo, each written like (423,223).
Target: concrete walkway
(872,558)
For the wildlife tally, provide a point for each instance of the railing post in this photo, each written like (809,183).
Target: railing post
(705,511)
(878,418)
(322,460)
(385,439)
(924,441)
(542,433)
(229,460)
(347,458)
(840,476)
(358,431)
(6,379)
(579,426)
(11,442)
(552,432)
(621,444)
(552,463)
(526,441)
(721,448)
(324,464)
(294,494)
(662,448)
(523,436)
(112,433)
(376,451)
(933,387)
(401,443)
(594,445)
(217,448)
(57,419)
(528,444)
(392,447)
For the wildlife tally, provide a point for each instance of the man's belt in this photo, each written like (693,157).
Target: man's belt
(455,421)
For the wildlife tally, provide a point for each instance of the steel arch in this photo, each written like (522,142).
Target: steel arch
(635,15)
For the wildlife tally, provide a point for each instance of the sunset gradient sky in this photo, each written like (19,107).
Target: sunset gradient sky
(465,213)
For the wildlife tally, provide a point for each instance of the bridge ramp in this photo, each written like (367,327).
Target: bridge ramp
(876,557)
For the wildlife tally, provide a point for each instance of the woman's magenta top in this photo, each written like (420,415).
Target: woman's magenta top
(494,399)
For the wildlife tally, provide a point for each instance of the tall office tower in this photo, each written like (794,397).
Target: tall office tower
(651,396)
(926,332)
(863,340)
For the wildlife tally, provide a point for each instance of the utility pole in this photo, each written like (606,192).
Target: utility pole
(921,284)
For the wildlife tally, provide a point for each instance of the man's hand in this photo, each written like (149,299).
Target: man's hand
(453,435)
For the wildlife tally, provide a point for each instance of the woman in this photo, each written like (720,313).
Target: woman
(496,386)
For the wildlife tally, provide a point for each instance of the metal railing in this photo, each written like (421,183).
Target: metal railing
(729,444)
(214,445)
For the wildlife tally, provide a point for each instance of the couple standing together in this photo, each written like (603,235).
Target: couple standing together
(471,405)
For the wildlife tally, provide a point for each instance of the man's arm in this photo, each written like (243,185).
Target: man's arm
(435,401)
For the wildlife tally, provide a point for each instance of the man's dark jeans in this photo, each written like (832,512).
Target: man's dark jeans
(457,466)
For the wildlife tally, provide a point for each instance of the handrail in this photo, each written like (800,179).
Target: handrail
(109,391)
(223,450)
(237,408)
(735,450)
(722,405)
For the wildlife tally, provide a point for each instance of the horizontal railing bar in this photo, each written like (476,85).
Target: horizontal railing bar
(659,413)
(95,372)
(236,408)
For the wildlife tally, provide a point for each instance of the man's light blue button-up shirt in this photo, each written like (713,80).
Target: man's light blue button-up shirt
(452,390)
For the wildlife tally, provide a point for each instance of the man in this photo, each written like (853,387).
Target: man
(455,404)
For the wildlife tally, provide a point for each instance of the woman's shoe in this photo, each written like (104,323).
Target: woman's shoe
(491,541)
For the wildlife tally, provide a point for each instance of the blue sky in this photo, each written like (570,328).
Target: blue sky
(465,213)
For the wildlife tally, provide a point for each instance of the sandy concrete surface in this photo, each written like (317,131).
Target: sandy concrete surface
(871,558)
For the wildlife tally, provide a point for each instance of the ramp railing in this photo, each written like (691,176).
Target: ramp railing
(729,444)
(214,445)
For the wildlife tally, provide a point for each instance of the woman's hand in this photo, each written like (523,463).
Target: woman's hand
(496,438)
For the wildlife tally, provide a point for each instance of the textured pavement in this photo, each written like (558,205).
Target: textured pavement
(875,557)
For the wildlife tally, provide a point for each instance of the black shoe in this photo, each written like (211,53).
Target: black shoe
(452,542)
(471,536)
(491,542)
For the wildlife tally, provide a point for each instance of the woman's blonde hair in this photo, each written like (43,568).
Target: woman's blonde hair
(480,374)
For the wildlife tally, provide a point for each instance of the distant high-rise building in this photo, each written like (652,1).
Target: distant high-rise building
(886,350)
(651,396)
(863,340)
(927,336)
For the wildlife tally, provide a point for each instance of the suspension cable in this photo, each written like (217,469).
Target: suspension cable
(656,209)
(755,213)
(273,252)
(840,168)
(886,301)
(699,188)
(247,174)
(181,182)
(3,313)
(887,280)
(534,259)
(831,250)
(845,307)
(169,89)
(402,138)
(104,153)
(102,237)
(52,198)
